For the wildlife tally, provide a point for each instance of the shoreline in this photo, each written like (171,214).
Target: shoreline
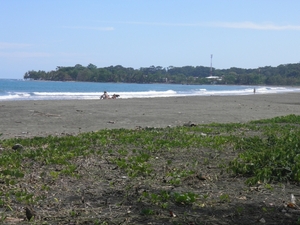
(70,117)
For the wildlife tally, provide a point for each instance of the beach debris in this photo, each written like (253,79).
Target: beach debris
(30,213)
(262,220)
(17,147)
(44,114)
(172,214)
(150,128)
(292,204)
(138,127)
(293,199)
(242,198)
(288,215)
(201,177)
(13,220)
(189,124)
(203,134)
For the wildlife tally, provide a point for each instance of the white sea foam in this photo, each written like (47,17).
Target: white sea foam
(68,91)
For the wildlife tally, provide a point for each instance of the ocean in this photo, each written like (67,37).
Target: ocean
(11,89)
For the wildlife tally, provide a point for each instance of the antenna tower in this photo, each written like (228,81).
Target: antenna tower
(211,64)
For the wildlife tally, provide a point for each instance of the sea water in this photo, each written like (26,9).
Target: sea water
(11,89)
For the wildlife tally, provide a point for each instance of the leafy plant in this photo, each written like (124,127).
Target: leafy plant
(273,158)
(147,212)
(265,151)
(224,198)
(184,198)
(176,175)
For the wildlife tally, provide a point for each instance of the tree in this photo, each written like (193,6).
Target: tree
(288,74)
(91,67)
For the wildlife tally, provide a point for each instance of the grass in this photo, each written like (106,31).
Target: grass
(263,151)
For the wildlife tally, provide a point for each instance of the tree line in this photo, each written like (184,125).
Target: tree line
(285,74)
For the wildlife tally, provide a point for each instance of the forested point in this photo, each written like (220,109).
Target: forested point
(287,74)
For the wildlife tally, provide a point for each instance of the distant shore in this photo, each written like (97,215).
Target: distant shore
(70,117)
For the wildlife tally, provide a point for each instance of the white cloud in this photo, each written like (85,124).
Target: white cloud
(70,54)
(160,24)
(90,28)
(254,26)
(8,45)
(232,25)
(24,54)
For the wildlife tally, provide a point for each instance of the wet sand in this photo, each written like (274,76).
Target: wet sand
(43,118)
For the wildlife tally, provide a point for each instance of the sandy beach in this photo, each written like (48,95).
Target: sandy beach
(43,118)
(105,179)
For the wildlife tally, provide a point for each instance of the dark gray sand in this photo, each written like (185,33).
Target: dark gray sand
(43,118)
(104,194)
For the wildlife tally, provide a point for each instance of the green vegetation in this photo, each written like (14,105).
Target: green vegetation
(159,166)
(273,157)
(288,74)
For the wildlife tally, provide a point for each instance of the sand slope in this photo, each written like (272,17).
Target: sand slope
(42,118)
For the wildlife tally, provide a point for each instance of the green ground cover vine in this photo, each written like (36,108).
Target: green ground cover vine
(262,151)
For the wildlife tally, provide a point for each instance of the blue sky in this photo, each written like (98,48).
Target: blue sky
(44,34)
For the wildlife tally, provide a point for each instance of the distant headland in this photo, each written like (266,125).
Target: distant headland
(284,74)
